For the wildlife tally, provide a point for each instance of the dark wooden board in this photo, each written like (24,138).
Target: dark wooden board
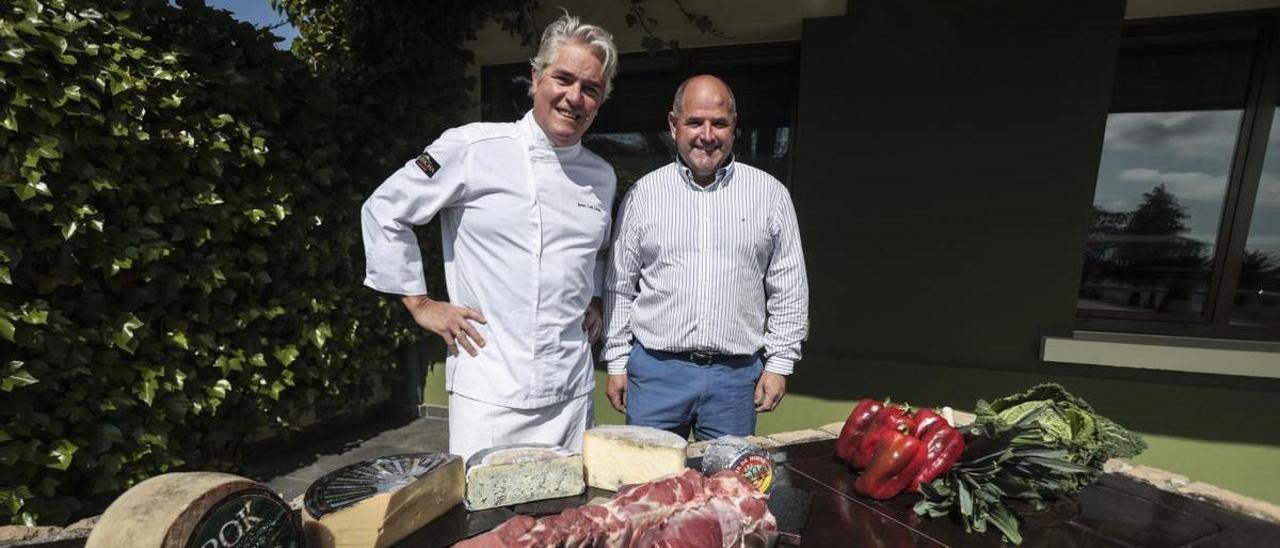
(1115,512)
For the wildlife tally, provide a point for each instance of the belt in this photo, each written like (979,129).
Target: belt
(699,357)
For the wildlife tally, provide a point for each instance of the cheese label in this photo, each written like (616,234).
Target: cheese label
(741,455)
(253,519)
(757,468)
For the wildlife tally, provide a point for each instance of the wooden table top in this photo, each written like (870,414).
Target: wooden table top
(1114,512)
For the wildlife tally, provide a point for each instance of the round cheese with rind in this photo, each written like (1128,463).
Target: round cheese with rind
(197,510)
(740,455)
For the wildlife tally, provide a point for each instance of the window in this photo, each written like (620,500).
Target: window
(1184,236)
(1257,295)
(631,129)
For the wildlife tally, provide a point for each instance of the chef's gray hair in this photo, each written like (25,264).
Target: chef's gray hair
(570,29)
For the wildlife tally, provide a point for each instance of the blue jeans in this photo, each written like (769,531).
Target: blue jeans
(666,391)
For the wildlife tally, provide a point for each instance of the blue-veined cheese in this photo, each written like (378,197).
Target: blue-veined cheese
(522,472)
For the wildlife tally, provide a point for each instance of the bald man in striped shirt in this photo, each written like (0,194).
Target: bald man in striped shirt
(706,297)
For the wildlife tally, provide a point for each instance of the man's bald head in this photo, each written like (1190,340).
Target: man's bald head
(703,121)
(703,84)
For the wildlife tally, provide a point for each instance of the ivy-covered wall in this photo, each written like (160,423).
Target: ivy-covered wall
(180,256)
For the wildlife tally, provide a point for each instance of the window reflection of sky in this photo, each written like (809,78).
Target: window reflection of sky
(1188,152)
(1264,232)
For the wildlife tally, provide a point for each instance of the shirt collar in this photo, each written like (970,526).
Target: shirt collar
(723,174)
(538,139)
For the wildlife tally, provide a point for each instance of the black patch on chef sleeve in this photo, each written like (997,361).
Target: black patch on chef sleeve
(427,164)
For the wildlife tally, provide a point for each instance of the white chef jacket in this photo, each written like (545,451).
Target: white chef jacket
(523,225)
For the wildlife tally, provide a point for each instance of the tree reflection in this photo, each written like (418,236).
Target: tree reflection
(1143,260)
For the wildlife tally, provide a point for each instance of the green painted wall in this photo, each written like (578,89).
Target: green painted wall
(945,168)
(944,172)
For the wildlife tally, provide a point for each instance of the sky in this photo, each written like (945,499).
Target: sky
(259,13)
(1190,153)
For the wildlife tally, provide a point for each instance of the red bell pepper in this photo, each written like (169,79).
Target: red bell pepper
(942,447)
(890,420)
(926,419)
(875,439)
(898,459)
(855,427)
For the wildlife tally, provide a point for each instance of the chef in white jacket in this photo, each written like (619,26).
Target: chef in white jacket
(525,214)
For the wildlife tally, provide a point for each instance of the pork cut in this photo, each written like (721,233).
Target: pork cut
(685,510)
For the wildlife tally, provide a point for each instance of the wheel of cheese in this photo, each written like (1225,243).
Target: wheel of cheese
(197,510)
(742,456)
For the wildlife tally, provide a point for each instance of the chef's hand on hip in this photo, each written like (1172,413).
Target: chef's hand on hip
(451,323)
(617,392)
(769,391)
(594,320)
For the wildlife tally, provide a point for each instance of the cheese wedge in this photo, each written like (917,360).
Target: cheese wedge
(519,473)
(375,503)
(615,455)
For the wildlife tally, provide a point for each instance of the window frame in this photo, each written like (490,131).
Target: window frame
(1244,179)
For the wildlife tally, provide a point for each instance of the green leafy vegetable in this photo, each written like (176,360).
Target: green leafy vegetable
(1032,447)
(1068,422)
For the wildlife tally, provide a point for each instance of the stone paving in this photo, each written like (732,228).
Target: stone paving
(290,474)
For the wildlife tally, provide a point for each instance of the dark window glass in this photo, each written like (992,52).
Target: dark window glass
(1167,160)
(631,129)
(1156,210)
(1257,296)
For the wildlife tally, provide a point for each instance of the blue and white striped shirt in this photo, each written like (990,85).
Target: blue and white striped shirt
(717,269)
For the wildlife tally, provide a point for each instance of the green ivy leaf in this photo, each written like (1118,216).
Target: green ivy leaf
(123,337)
(218,392)
(10,121)
(12,499)
(16,379)
(154,439)
(13,55)
(6,329)
(49,147)
(62,453)
(146,391)
(319,335)
(286,354)
(69,229)
(179,339)
(25,192)
(35,317)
